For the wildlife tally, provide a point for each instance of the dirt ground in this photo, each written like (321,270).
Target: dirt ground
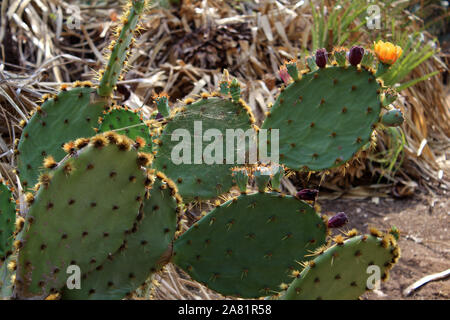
(424,222)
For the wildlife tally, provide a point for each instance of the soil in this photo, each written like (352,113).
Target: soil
(424,222)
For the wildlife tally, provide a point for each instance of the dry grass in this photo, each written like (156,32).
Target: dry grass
(183,53)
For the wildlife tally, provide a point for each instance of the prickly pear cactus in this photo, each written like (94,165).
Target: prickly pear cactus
(127,122)
(146,249)
(182,147)
(81,213)
(325,117)
(249,245)
(95,208)
(7,221)
(343,271)
(67,116)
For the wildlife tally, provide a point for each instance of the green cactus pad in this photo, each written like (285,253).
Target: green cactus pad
(80,214)
(341,272)
(145,250)
(6,286)
(127,122)
(70,115)
(200,179)
(325,118)
(7,221)
(247,246)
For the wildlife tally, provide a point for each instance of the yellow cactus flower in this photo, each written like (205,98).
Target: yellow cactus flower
(387,52)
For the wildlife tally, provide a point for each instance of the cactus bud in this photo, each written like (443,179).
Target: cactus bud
(292,69)
(389,97)
(338,220)
(241,178)
(235,90)
(262,177)
(355,55)
(340,56)
(162,103)
(395,232)
(307,194)
(393,118)
(284,75)
(276,178)
(225,83)
(321,58)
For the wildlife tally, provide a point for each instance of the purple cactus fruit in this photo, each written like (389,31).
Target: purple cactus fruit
(307,194)
(321,58)
(338,220)
(159,116)
(355,55)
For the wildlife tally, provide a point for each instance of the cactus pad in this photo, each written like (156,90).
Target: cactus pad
(127,122)
(69,115)
(6,286)
(195,177)
(247,246)
(326,117)
(146,249)
(80,214)
(7,221)
(341,272)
